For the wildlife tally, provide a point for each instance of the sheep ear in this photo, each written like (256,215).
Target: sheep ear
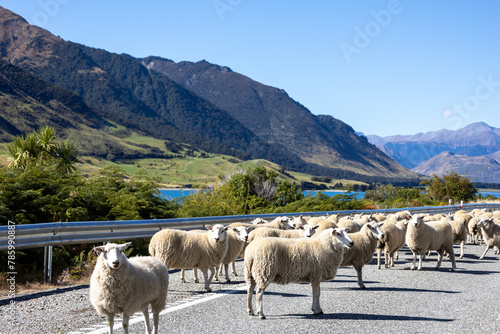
(208,227)
(124,246)
(315,227)
(99,249)
(301,227)
(226,228)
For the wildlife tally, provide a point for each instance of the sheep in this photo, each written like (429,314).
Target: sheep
(121,285)
(283,261)
(282,223)
(304,232)
(473,230)
(459,235)
(184,250)
(422,236)
(236,239)
(333,218)
(314,220)
(365,242)
(323,225)
(393,241)
(299,221)
(491,234)
(258,221)
(349,224)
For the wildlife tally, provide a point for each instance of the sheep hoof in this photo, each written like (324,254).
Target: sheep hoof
(461,256)
(228,280)
(319,313)
(262,316)
(197,281)
(250,313)
(209,289)
(362,286)
(481,258)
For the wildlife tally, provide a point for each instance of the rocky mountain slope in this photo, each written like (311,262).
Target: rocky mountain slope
(211,107)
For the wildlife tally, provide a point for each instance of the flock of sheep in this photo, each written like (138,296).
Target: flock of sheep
(285,250)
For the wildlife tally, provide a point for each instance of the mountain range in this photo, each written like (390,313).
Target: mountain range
(91,94)
(473,151)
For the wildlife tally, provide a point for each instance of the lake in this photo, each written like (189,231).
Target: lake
(174,193)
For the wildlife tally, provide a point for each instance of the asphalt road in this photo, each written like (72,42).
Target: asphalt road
(396,300)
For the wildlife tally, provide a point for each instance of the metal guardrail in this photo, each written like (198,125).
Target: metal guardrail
(67,233)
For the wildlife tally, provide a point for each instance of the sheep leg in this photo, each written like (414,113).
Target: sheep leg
(125,323)
(216,275)
(359,271)
(378,258)
(388,258)
(414,260)
(462,243)
(226,272)
(260,310)
(485,251)
(111,322)
(233,267)
(440,258)
(421,257)
(183,275)
(146,320)
(208,279)
(451,252)
(316,291)
(250,290)
(195,274)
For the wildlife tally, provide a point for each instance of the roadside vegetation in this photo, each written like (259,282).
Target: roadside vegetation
(42,184)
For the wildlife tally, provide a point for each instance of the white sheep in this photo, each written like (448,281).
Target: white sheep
(365,242)
(283,261)
(258,221)
(473,231)
(264,232)
(185,250)
(393,241)
(423,236)
(236,239)
(283,223)
(459,234)
(491,234)
(121,285)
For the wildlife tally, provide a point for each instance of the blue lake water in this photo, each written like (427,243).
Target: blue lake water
(174,193)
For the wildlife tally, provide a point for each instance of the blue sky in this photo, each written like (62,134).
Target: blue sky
(383,67)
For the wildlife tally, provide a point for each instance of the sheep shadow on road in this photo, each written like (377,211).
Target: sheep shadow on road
(363,316)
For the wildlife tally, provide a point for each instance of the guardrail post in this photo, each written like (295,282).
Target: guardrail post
(47,264)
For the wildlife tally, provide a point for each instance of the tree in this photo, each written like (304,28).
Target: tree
(40,147)
(451,186)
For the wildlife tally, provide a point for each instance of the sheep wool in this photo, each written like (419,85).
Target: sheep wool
(365,242)
(423,236)
(121,285)
(491,234)
(283,261)
(185,250)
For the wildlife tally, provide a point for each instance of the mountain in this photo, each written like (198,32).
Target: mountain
(247,120)
(27,103)
(478,169)
(477,139)
(276,118)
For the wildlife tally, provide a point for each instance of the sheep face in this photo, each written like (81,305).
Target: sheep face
(343,237)
(376,230)
(113,254)
(218,233)
(241,233)
(417,221)
(308,230)
(485,223)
